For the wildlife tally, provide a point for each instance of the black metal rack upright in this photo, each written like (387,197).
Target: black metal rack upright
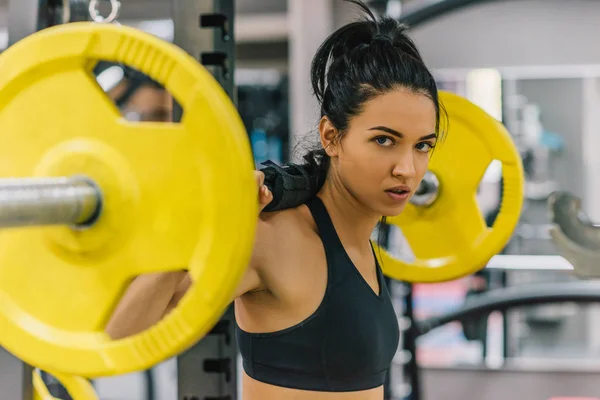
(411,383)
(410,346)
(205,29)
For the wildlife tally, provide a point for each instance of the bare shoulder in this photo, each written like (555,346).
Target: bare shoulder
(283,239)
(293,218)
(284,228)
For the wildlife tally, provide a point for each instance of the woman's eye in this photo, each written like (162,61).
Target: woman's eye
(424,146)
(384,141)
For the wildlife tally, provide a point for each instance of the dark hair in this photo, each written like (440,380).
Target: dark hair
(358,62)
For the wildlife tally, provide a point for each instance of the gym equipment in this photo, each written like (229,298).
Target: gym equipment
(576,237)
(120,199)
(506,298)
(115,7)
(544,379)
(443,224)
(208,369)
(77,387)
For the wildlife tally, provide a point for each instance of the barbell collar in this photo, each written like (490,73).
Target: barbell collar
(428,191)
(48,201)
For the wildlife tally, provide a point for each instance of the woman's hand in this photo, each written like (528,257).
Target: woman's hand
(264,194)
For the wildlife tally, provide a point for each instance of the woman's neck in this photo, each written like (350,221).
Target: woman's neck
(354,223)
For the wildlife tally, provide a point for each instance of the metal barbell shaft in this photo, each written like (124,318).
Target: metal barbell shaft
(48,201)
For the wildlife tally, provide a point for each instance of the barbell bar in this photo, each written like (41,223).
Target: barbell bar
(74,201)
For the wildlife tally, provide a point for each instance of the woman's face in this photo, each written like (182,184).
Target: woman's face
(148,104)
(385,152)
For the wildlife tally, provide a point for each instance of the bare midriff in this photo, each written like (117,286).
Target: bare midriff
(255,390)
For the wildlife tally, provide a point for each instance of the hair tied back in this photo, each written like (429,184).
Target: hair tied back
(381,38)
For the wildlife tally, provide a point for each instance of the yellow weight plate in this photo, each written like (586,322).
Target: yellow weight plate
(176,196)
(450,239)
(77,387)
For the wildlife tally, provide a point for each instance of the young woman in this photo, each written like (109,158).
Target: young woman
(315,319)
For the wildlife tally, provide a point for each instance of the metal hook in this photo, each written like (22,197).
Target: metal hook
(115,7)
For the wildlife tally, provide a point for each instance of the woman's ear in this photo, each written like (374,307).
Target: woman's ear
(328,134)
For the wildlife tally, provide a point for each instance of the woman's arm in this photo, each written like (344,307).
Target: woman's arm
(143,303)
(150,297)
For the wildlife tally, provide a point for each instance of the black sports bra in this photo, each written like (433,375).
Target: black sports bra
(347,344)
